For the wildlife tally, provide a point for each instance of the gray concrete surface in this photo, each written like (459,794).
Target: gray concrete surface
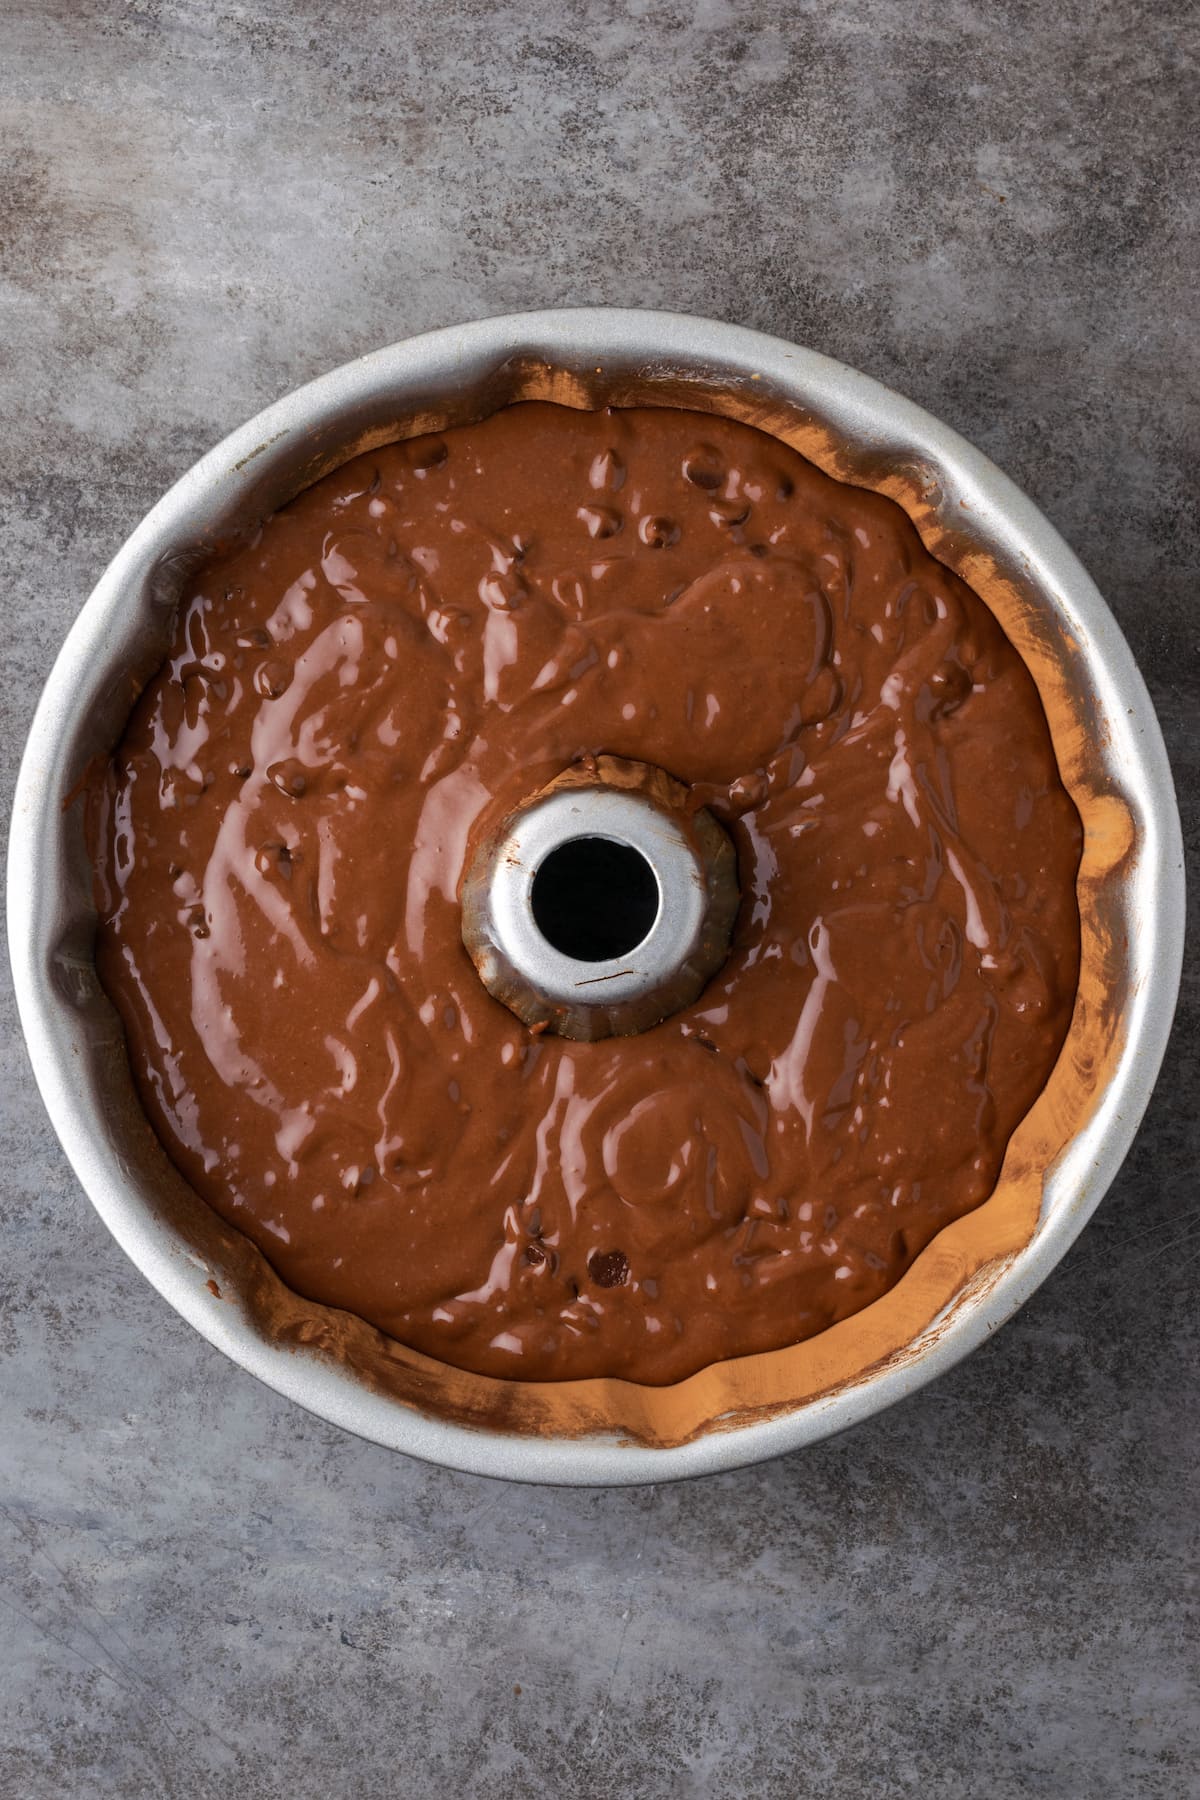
(989,1592)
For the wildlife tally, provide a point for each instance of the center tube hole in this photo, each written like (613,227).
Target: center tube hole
(595,899)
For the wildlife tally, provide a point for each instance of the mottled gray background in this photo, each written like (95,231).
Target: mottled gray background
(988,1592)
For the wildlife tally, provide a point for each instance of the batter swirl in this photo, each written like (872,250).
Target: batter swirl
(400,657)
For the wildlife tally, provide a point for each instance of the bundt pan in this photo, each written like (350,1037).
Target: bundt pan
(1060,1160)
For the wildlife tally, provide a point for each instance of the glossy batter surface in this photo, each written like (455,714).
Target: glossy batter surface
(426,637)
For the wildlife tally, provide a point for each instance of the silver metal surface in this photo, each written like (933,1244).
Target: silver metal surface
(695,872)
(448,377)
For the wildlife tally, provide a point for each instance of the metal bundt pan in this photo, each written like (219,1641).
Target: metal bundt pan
(1062,1158)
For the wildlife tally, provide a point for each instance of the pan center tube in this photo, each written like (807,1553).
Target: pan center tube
(602,904)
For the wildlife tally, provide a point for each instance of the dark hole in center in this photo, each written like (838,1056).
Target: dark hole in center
(594,899)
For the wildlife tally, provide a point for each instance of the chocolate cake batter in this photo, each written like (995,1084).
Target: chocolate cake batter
(401,656)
